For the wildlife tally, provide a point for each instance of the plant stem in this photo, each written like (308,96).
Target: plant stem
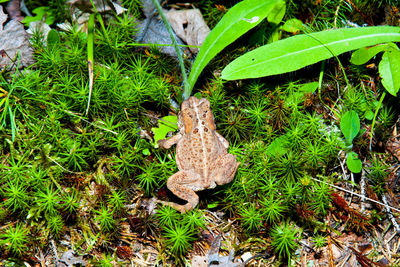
(187,91)
(374,119)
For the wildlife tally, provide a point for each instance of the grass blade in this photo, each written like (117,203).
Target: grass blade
(90,48)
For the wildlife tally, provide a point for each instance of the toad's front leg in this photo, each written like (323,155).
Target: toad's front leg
(183,184)
(167,143)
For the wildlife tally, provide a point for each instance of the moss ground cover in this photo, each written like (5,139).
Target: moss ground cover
(89,183)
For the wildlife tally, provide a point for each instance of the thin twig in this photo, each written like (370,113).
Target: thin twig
(390,214)
(362,186)
(356,194)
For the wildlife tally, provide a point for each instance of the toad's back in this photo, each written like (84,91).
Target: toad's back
(199,146)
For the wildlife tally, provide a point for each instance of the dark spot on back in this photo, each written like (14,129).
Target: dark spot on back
(195,130)
(205,129)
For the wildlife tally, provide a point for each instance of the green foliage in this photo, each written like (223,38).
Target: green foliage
(390,71)
(256,110)
(57,9)
(178,238)
(40,12)
(105,217)
(350,126)
(74,155)
(117,200)
(179,230)
(273,209)
(48,200)
(295,136)
(283,239)
(377,174)
(314,155)
(388,66)
(251,218)
(167,216)
(166,124)
(194,219)
(355,100)
(321,198)
(113,42)
(134,6)
(148,178)
(319,241)
(70,201)
(353,162)
(55,224)
(386,117)
(289,166)
(15,195)
(15,239)
(235,124)
(106,260)
(59,164)
(269,185)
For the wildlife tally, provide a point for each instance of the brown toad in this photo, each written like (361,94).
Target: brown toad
(201,154)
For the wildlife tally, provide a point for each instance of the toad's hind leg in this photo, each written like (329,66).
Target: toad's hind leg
(182,184)
(225,168)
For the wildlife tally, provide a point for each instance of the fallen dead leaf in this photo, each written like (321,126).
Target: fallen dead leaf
(14,40)
(189,25)
(3,18)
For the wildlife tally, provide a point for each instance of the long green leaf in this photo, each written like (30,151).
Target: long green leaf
(302,50)
(237,21)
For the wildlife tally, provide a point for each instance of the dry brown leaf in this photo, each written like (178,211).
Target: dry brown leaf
(393,146)
(13,40)
(3,18)
(189,25)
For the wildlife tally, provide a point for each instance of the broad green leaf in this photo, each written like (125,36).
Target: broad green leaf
(309,87)
(166,124)
(53,38)
(389,69)
(363,55)
(238,20)
(40,13)
(369,114)
(146,152)
(298,96)
(278,147)
(292,25)
(353,162)
(302,50)
(350,125)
